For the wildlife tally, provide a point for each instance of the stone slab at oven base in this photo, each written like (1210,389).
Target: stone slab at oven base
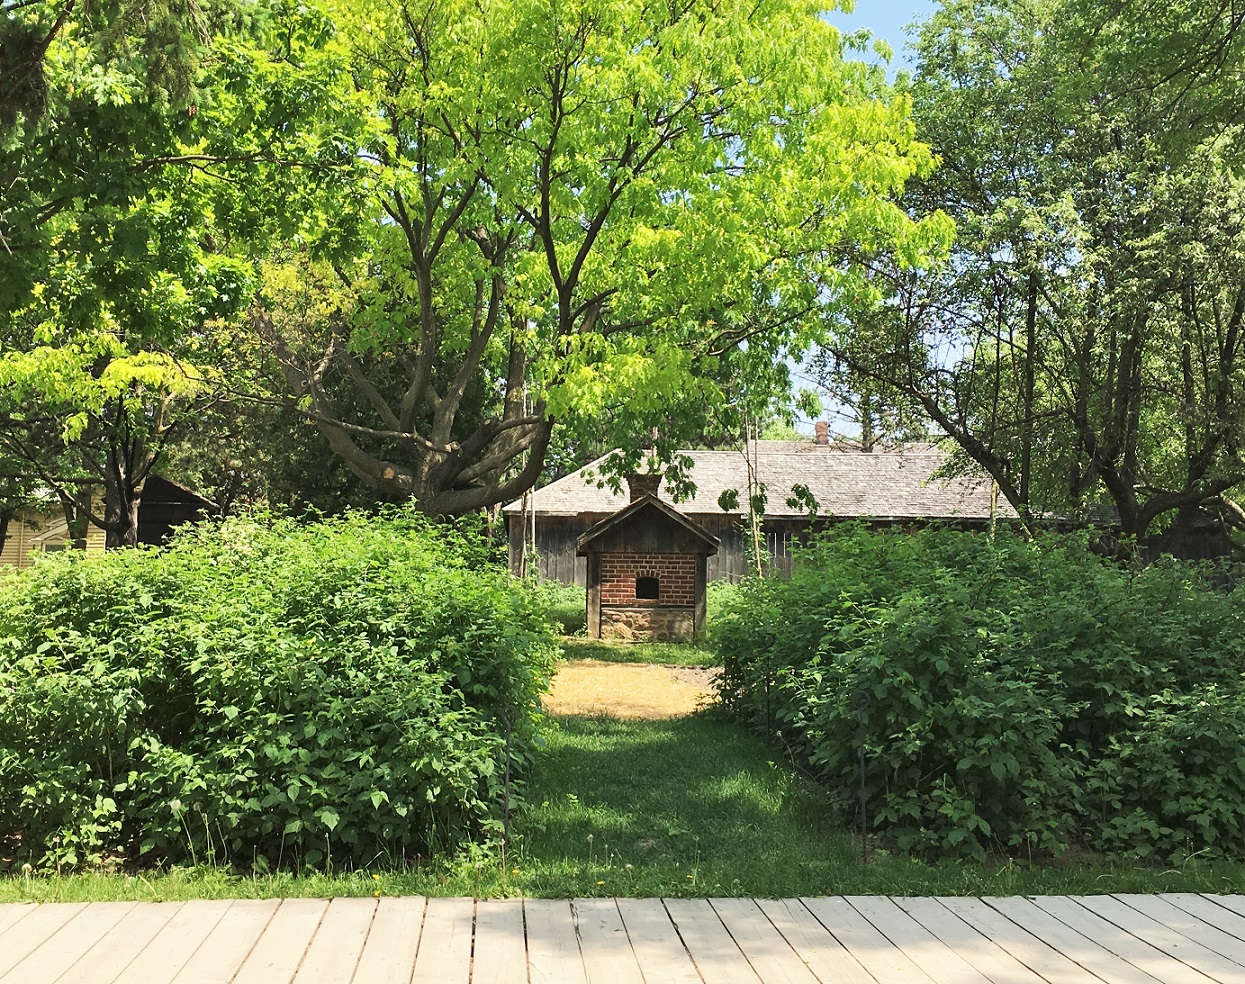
(650,623)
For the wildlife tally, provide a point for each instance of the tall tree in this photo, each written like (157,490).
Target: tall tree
(1084,343)
(551,206)
(108,279)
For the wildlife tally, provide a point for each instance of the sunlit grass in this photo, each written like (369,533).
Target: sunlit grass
(683,807)
(669,653)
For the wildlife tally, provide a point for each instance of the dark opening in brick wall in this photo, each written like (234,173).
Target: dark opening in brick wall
(647,588)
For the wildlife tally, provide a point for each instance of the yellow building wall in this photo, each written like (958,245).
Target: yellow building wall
(31,532)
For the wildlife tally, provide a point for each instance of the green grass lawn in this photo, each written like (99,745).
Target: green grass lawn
(661,808)
(669,653)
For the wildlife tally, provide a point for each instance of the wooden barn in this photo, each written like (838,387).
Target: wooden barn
(164,505)
(883,487)
(646,571)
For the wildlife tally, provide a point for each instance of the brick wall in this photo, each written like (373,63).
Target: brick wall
(675,573)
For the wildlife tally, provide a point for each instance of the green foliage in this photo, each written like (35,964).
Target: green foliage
(997,694)
(566,606)
(330,694)
(580,213)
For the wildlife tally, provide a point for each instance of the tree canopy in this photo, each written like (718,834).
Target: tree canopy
(109,276)
(554,212)
(1084,342)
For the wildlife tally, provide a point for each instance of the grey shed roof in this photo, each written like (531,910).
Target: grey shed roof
(893,484)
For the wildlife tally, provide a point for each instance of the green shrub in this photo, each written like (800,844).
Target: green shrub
(1001,695)
(334,693)
(565,606)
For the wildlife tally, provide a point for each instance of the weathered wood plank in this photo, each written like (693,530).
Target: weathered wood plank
(825,956)
(13,912)
(500,953)
(58,952)
(715,954)
(607,954)
(1069,941)
(172,947)
(278,952)
(990,960)
(1144,936)
(334,951)
(771,956)
(1214,922)
(1045,961)
(1139,953)
(24,937)
(1185,927)
(445,944)
(389,954)
(659,951)
(107,960)
(552,947)
(935,958)
(1233,903)
(221,954)
(877,954)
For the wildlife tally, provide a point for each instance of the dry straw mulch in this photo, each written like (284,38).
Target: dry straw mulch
(629,690)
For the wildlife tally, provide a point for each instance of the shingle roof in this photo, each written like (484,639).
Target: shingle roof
(648,502)
(892,484)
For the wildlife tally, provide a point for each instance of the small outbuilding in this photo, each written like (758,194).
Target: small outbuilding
(647,570)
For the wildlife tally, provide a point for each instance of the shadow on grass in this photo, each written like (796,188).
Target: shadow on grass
(682,806)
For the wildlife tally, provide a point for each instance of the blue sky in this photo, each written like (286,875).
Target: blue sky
(885,19)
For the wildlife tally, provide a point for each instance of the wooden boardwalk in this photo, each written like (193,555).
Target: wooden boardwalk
(1116,939)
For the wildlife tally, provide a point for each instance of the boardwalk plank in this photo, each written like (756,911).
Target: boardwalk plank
(824,956)
(991,960)
(659,951)
(606,951)
(877,954)
(1155,935)
(1233,903)
(500,952)
(172,947)
(1045,961)
(935,958)
(60,951)
(389,954)
(1176,938)
(715,954)
(283,944)
(335,949)
(108,959)
(1139,953)
(552,946)
(1180,925)
(1068,941)
(13,912)
(24,937)
(1219,928)
(227,945)
(445,944)
(771,956)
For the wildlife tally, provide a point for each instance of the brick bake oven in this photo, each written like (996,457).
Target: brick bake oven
(647,567)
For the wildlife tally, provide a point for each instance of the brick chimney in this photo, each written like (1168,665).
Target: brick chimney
(642,485)
(821,432)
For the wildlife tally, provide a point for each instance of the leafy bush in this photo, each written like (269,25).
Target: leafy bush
(334,693)
(565,606)
(983,695)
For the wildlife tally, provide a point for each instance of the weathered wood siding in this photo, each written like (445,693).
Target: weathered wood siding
(556,536)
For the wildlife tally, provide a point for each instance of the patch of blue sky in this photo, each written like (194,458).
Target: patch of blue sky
(887,20)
